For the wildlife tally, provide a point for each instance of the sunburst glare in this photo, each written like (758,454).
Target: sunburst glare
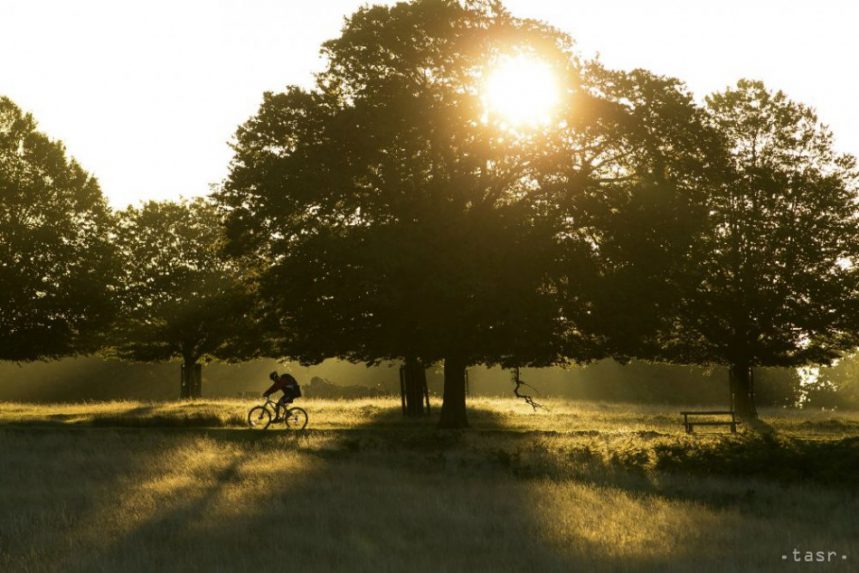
(521,91)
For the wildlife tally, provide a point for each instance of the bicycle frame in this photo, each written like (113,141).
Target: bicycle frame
(277,409)
(281,413)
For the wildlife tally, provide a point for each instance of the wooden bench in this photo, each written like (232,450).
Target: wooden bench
(689,425)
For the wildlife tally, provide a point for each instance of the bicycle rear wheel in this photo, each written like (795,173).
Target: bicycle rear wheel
(259,418)
(296,419)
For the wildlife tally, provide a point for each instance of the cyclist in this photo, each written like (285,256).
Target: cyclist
(287,384)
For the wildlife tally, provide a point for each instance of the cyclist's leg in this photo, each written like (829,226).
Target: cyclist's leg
(283,406)
(285,403)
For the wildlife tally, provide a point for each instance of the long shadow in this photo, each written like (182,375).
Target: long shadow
(726,488)
(145,415)
(190,509)
(40,514)
(383,495)
(399,495)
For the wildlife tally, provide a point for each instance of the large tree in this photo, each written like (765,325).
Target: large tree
(56,263)
(180,297)
(398,224)
(774,279)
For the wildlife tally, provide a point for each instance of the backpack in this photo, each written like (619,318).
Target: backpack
(292,388)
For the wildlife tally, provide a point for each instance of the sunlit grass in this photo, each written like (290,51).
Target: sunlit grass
(582,487)
(559,415)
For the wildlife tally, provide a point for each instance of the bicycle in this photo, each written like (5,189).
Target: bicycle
(261,417)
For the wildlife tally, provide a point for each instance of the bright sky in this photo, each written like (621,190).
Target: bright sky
(146,95)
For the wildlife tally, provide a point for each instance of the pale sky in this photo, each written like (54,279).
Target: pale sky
(146,95)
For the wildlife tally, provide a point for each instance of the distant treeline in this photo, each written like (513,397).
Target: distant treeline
(79,379)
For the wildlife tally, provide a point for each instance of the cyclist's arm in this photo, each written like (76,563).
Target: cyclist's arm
(271,390)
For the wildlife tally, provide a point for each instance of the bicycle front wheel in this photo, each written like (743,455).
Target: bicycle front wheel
(259,418)
(296,419)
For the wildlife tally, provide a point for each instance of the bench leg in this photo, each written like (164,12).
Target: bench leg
(733,427)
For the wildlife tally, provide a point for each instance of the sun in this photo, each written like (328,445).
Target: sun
(520,91)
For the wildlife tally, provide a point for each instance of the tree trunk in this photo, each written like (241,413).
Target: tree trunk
(453,405)
(191,379)
(742,391)
(184,381)
(415,382)
(197,387)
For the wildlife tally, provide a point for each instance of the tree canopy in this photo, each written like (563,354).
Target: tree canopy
(398,223)
(180,297)
(395,217)
(774,280)
(628,175)
(56,261)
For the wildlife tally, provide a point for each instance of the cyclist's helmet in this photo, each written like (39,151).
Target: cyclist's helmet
(273,376)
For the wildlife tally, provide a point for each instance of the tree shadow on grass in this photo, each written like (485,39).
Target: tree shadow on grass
(386,495)
(661,502)
(399,495)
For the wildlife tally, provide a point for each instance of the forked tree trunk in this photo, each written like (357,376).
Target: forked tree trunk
(742,390)
(415,378)
(453,406)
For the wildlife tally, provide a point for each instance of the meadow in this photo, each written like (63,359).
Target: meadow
(183,486)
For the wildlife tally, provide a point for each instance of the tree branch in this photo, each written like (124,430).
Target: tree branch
(518,383)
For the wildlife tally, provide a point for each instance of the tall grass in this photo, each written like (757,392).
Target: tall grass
(563,416)
(601,488)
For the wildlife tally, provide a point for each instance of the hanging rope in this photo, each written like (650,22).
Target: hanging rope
(519,383)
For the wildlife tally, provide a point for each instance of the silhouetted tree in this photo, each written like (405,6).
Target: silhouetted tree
(180,297)
(630,174)
(56,263)
(774,280)
(397,223)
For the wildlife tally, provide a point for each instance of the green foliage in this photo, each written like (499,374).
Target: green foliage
(395,221)
(56,264)
(837,386)
(181,298)
(777,387)
(629,175)
(774,281)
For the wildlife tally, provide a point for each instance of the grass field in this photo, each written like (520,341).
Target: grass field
(581,487)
